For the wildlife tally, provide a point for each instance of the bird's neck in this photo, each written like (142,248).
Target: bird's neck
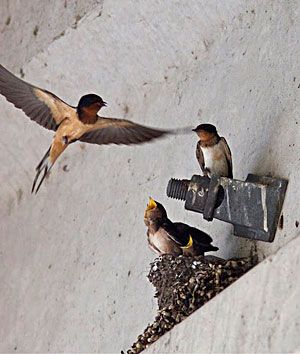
(154,225)
(87,115)
(209,140)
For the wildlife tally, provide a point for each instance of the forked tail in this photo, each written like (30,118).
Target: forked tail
(45,165)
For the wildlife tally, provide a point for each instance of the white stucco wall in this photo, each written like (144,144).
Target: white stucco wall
(74,258)
(27,27)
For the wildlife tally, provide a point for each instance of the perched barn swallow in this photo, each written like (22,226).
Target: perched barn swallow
(166,237)
(70,123)
(212,152)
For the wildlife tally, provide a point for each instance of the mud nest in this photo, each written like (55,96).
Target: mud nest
(183,284)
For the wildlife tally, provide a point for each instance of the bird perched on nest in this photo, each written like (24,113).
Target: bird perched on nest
(212,152)
(166,237)
(70,123)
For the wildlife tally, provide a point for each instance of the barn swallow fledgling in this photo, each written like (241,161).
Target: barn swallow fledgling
(212,152)
(70,123)
(166,237)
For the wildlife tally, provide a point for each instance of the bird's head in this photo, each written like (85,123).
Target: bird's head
(91,102)
(155,212)
(205,131)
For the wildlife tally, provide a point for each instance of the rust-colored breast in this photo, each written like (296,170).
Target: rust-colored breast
(88,115)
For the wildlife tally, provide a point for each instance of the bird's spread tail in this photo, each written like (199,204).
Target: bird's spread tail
(44,166)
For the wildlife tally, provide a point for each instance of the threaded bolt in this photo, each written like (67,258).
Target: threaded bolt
(177,188)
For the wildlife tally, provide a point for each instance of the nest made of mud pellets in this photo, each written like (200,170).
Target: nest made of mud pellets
(183,284)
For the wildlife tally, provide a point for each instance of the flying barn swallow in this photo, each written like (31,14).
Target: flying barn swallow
(166,237)
(212,152)
(70,123)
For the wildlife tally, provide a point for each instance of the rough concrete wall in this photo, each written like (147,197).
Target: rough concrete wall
(260,313)
(74,257)
(28,26)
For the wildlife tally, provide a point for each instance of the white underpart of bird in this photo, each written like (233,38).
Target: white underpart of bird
(215,159)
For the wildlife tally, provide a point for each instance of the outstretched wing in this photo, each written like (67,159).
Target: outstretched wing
(39,105)
(200,157)
(119,131)
(228,155)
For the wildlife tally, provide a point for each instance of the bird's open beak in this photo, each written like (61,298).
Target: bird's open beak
(104,104)
(151,204)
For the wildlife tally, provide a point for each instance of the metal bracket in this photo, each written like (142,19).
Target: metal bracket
(253,206)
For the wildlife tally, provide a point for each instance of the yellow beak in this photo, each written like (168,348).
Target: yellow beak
(151,204)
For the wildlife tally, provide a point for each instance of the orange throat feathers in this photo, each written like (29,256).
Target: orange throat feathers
(88,115)
(207,139)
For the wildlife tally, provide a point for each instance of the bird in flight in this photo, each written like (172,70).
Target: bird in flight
(176,238)
(212,152)
(70,123)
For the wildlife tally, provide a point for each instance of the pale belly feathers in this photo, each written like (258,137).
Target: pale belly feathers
(215,159)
